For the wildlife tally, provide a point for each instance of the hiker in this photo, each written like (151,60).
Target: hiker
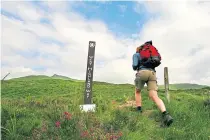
(146,73)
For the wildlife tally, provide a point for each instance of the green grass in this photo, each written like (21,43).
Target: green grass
(31,107)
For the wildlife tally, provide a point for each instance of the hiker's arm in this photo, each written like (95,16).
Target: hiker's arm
(135,62)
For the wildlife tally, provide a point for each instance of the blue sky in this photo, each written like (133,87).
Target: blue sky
(119,16)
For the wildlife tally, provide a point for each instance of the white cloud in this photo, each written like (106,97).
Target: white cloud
(23,9)
(175,35)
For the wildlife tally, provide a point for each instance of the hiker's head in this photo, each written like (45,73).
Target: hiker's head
(149,42)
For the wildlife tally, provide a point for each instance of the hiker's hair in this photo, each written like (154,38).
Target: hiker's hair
(137,49)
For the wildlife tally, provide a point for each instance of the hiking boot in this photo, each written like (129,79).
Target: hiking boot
(167,119)
(139,109)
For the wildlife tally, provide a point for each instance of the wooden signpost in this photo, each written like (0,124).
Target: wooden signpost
(88,106)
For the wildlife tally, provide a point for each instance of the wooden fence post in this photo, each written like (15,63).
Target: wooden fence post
(166,82)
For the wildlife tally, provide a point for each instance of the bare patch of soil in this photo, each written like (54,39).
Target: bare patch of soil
(128,104)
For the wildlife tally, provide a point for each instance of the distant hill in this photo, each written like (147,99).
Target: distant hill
(184,86)
(188,86)
(56,76)
(32,77)
(36,77)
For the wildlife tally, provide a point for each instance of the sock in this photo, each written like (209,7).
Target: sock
(139,108)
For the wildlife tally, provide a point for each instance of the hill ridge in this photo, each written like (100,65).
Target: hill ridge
(57,76)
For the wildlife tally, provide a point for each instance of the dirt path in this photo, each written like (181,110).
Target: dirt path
(128,104)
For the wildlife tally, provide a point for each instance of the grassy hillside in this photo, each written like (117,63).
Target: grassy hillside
(48,108)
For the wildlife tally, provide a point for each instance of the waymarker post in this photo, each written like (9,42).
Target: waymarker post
(88,106)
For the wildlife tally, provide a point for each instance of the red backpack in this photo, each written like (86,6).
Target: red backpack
(150,56)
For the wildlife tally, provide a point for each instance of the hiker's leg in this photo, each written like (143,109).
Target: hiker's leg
(167,119)
(154,96)
(139,84)
(152,88)
(138,97)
